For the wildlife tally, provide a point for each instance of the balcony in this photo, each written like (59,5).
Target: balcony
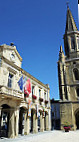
(26,94)
(41,99)
(46,101)
(9,92)
(34,97)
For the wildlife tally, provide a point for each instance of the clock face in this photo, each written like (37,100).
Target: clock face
(12,57)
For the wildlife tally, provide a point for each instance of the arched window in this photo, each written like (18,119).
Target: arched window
(78,42)
(77,92)
(76,74)
(72,43)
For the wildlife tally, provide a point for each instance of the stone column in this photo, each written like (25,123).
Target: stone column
(11,133)
(41,130)
(49,115)
(27,126)
(41,122)
(35,128)
(16,121)
(47,122)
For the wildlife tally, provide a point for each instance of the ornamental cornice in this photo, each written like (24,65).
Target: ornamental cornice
(25,73)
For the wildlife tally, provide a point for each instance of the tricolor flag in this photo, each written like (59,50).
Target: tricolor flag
(24,81)
(27,88)
(20,83)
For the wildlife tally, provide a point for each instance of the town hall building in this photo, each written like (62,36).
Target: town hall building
(68,73)
(21,112)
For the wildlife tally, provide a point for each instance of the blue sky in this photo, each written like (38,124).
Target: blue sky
(36,27)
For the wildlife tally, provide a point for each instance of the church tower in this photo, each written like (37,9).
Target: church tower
(68,73)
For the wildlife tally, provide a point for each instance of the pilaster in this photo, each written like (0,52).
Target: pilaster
(35,129)
(28,125)
(16,121)
(11,133)
(41,122)
(47,122)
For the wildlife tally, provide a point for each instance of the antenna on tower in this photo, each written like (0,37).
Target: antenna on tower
(67,4)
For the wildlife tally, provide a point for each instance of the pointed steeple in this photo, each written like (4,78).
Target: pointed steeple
(70,23)
(61,54)
(61,50)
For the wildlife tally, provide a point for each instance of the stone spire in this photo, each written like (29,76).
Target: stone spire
(70,23)
(61,50)
(61,54)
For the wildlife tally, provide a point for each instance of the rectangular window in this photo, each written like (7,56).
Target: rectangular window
(10,78)
(32,90)
(39,93)
(72,43)
(45,95)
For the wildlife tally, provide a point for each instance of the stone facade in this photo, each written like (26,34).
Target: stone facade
(14,105)
(55,114)
(68,73)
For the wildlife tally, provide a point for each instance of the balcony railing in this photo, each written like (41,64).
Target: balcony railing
(46,101)
(26,94)
(11,92)
(41,99)
(34,97)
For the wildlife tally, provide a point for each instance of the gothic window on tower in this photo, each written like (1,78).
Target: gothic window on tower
(72,43)
(77,92)
(78,42)
(76,74)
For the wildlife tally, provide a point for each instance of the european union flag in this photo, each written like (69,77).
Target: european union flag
(20,83)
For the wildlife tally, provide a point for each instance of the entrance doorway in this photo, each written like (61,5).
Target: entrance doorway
(77,119)
(21,120)
(4,121)
(39,123)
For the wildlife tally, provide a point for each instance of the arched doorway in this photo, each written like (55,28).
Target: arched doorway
(77,119)
(22,120)
(4,120)
(39,121)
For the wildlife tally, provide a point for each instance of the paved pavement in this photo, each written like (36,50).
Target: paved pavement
(50,136)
